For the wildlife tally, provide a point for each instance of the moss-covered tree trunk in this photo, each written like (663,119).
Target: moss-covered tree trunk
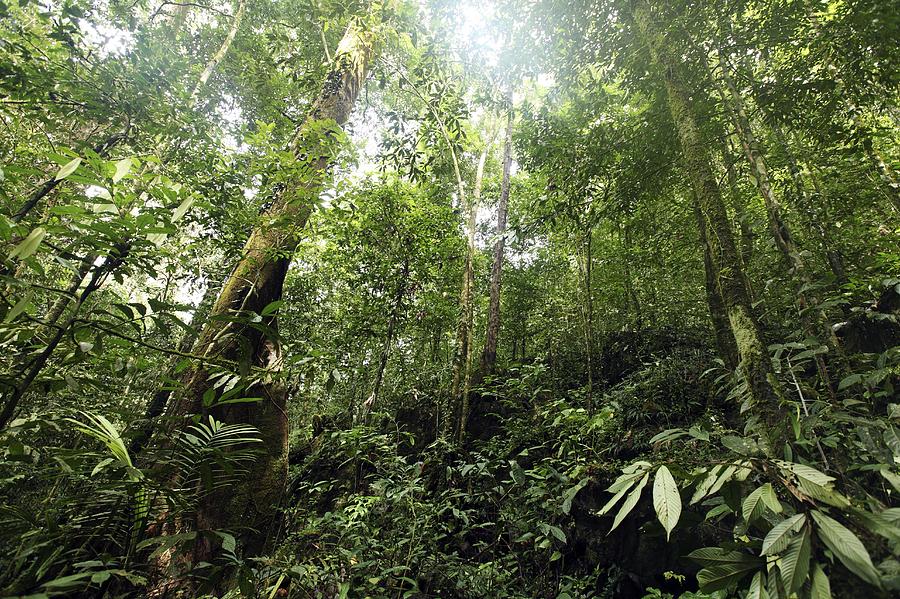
(236,330)
(755,364)
(717,312)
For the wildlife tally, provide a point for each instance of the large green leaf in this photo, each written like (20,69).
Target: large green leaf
(813,483)
(716,578)
(630,501)
(757,588)
(123,167)
(795,563)
(666,500)
(757,501)
(847,547)
(820,587)
(781,534)
(29,245)
(716,556)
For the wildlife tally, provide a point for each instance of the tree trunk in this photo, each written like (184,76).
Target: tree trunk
(758,168)
(256,282)
(462,367)
(396,307)
(222,51)
(587,308)
(630,291)
(755,364)
(816,212)
(739,205)
(718,315)
(489,355)
(813,319)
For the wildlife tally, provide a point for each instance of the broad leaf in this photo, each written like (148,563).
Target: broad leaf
(781,534)
(847,547)
(68,168)
(666,500)
(820,588)
(630,502)
(716,556)
(795,563)
(29,245)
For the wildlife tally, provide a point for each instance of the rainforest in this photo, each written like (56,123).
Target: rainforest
(347,299)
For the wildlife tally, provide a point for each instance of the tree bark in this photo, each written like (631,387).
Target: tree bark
(718,315)
(489,355)
(587,308)
(739,205)
(755,364)
(396,307)
(462,365)
(256,282)
(757,162)
(817,214)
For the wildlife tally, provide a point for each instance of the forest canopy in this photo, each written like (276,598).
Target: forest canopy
(450,298)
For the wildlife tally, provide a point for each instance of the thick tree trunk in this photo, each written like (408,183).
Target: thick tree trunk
(256,282)
(755,364)
(489,355)
(813,320)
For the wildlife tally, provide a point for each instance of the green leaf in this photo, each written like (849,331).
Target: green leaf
(753,505)
(781,534)
(757,588)
(891,478)
(182,209)
(820,587)
(613,501)
(771,499)
(29,245)
(757,501)
(716,578)
(795,563)
(740,445)
(716,556)
(630,501)
(123,167)
(666,500)
(271,308)
(20,307)
(847,547)
(813,483)
(68,168)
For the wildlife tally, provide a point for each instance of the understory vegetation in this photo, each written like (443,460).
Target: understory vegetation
(445,298)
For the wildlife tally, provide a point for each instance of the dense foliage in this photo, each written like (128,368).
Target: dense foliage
(319,298)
